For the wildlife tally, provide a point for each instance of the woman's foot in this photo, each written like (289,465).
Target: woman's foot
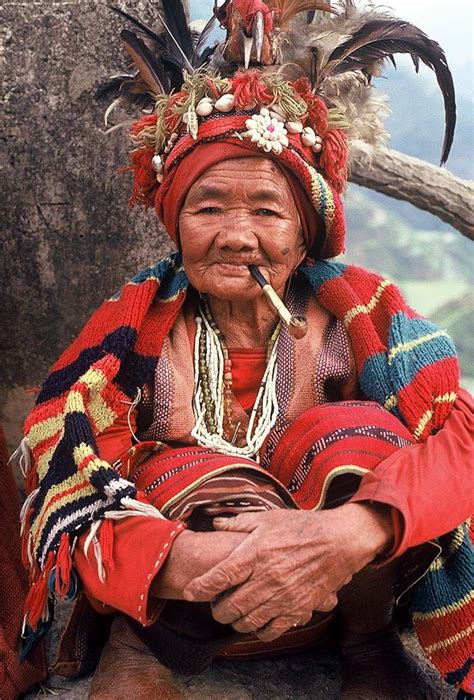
(380,668)
(127,669)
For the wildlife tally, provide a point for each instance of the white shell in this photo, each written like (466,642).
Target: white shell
(185,117)
(318,147)
(276,115)
(157,164)
(278,111)
(294,127)
(159,177)
(308,137)
(204,108)
(225,103)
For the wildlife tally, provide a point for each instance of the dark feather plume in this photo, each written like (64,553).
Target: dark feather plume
(139,26)
(150,68)
(161,57)
(200,53)
(115,86)
(179,38)
(379,39)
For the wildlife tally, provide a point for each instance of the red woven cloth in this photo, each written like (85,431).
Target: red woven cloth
(15,677)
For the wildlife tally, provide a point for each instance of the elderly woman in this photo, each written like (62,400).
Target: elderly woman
(272,479)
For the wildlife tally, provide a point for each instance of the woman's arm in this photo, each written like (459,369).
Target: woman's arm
(429,484)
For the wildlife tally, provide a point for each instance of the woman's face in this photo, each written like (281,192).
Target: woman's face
(240,212)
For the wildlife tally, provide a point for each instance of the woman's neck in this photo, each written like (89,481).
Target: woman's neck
(244,325)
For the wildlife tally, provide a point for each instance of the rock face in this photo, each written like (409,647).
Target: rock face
(69,239)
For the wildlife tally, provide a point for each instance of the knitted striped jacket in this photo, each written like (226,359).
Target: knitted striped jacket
(403,362)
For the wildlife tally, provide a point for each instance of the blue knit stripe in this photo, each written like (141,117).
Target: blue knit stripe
(320,272)
(458,676)
(168,273)
(449,584)
(375,378)
(405,364)
(135,371)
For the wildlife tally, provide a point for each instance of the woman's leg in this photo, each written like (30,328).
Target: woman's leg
(375,662)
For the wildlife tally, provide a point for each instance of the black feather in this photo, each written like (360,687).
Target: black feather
(136,23)
(179,42)
(129,89)
(380,39)
(150,68)
(114,86)
(200,49)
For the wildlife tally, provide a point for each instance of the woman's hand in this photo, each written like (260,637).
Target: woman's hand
(192,554)
(291,564)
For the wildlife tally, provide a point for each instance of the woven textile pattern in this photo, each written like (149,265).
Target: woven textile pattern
(404,363)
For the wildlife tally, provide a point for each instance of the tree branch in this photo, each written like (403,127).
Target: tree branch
(424,185)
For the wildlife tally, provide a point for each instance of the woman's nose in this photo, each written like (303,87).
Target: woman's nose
(237,233)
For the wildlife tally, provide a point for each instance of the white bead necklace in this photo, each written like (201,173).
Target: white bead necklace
(266,399)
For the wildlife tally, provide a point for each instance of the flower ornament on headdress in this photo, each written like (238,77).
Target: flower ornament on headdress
(292,80)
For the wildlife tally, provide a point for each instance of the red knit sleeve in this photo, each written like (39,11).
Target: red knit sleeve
(428,485)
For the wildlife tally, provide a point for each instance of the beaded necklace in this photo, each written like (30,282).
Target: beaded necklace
(213,396)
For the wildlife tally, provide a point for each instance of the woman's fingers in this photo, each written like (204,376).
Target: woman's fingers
(328,604)
(234,570)
(245,522)
(250,606)
(279,626)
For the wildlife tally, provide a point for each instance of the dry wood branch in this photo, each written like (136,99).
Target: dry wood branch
(424,185)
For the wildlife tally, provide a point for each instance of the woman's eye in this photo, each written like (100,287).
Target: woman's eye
(209,210)
(266,212)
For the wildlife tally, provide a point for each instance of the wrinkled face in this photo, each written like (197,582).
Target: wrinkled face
(240,212)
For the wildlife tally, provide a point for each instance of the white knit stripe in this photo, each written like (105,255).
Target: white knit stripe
(366,308)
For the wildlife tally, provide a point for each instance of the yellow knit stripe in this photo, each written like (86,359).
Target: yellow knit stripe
(459,537)
(94,379)
(74,402)
(446,610)
(80,452)
(366,308)
(44,430)
(102,415)
(390,402)
(427,416)
(44,460)
(444,643)
(411,344)
(424,420)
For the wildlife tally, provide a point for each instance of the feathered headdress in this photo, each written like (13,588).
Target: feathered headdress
(292,79)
